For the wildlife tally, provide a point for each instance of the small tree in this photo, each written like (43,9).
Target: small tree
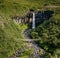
(34,35)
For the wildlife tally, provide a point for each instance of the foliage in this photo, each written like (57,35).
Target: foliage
(48,33)
(10,33)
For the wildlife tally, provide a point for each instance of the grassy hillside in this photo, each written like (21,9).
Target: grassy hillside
(18,7)
(10,33)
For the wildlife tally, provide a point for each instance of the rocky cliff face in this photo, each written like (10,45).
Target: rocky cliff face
(40,16)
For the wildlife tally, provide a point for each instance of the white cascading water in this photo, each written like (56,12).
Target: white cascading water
(33,21)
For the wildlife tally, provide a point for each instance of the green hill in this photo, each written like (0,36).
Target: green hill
(10,33)
(18,7)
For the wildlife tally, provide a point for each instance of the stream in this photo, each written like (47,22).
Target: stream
(33,45)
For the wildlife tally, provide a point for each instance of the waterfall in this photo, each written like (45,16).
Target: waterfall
(33,21)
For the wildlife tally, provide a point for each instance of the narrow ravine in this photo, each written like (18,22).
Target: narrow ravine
(33,45)
(37,49)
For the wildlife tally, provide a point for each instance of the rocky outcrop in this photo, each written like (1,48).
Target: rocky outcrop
(40,16)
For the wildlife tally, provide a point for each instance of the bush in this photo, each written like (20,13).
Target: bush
(48,32)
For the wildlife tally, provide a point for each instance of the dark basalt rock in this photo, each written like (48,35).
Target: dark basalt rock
(40,16)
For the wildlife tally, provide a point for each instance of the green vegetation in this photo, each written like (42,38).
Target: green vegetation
(18,7)
(11,33)
(49,34)
(27,52)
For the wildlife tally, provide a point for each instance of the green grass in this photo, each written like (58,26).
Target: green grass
(18,7)
(8,40)
(10,35)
